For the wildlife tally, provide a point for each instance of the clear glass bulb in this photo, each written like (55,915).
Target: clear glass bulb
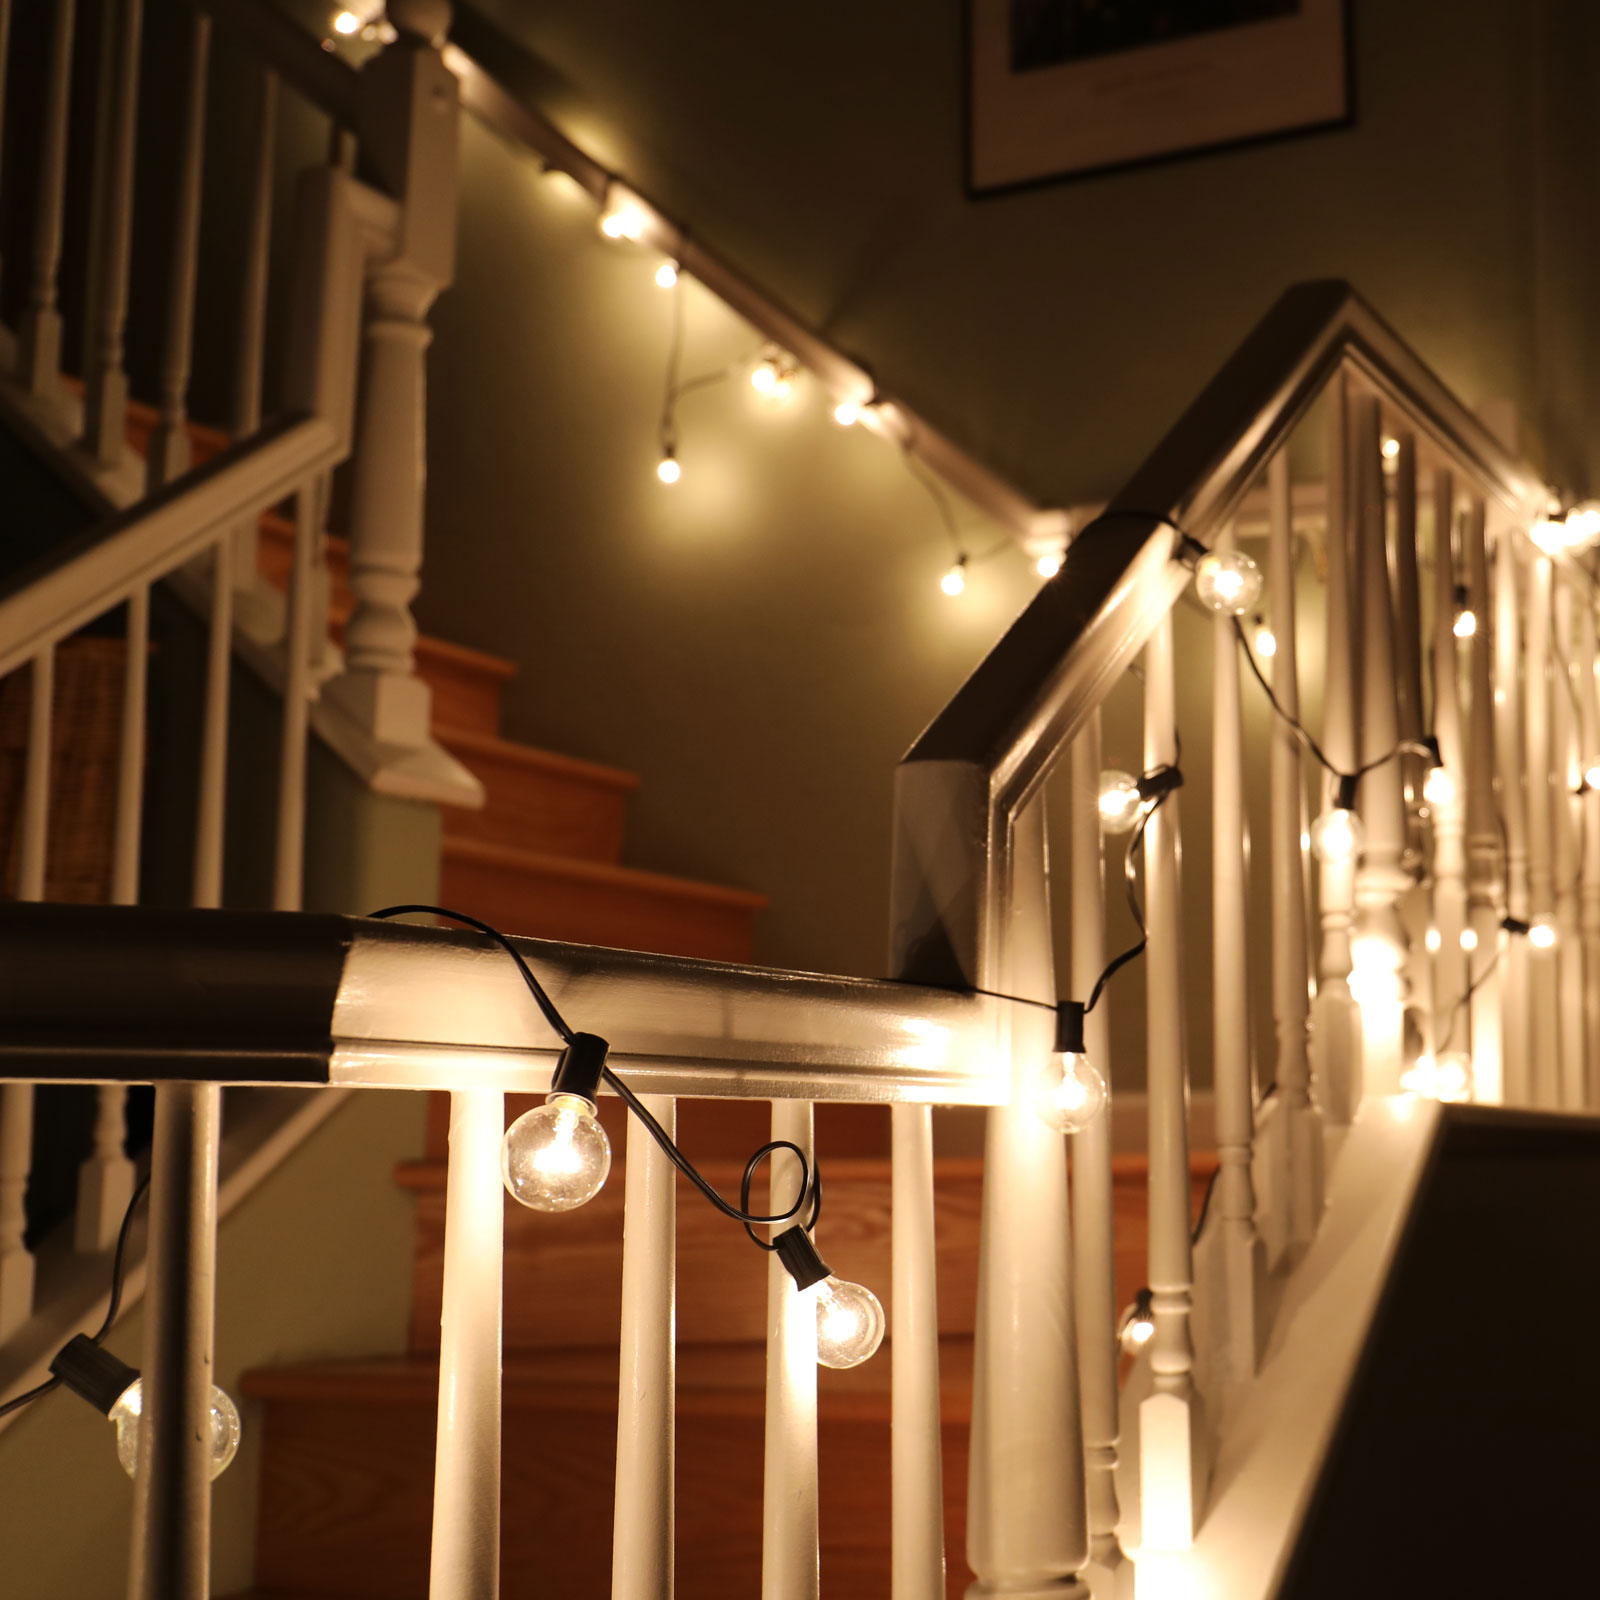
(1391,448)
(623,219)
(1432,940)
(1049,564)
(1119,801)
(1454,1075)
(1542,935)
(126,1414)
(346,22)
(556,1157)
(667,274)
(1465,625)
(1068,1091)
(1228,582)
(668,470)
(1550,534)
(955,580)
(1469,939)
(1591,777)
(1439,788)
(850,1323)
(1422,1077)
(1266,642)
(1337,835)
(847,413)
(1137,1325)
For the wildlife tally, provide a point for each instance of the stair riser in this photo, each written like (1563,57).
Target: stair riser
(538,810)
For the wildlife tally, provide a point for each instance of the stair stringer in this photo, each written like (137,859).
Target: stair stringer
(1270,1437)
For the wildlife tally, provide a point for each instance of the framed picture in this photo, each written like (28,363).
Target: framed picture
(1060,87)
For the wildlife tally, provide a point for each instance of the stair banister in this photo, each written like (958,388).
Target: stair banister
(1486,863)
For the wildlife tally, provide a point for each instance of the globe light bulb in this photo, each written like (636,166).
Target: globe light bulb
(1454,1075)
(667,274)
(1550,533)
(556,1157)
(1068,1091)
(127,1412)
(850,1323)
(1266,641)
(1337,835)
(667,468)
(1421,1078)
(1138,1324)
(624,219)
(1439,788)
(1591,777)
(1391,449)
(955,580)
(772,377)
(1465,625)
(1433,941)
(1542,934)
(347,23)
(1119,801)
(847,413)
(1469,939)
(1049,564)
(1583,525)
(1227,582)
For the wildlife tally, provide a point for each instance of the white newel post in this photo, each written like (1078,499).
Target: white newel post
(409,111)
(1451,1024)
(1026,1510)
(1171,1470)
(1296,1132)
(1485,867)
(1233,1071)
(1588,757)
(1094,1277)
(1516,1025)
(1565,776)
(1380,949)
(1335,1024)
(1544,1062)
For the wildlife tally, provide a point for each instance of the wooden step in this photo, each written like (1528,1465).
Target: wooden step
(563,1273)
(536,800)
(347,1475)
(596,902)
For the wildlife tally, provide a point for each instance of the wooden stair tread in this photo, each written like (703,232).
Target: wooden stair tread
(511,859)
(468,742)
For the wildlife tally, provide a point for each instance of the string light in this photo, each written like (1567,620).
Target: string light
(1391,448)
(1068,1091)
(1337,835)
(1591,777)
(1118,801)
(1542,933)
(347,23)
(1228,582)
(1266,641)
(1433,940)
(1449,1077)
(847,413)
(667,468)
(850,1320)
(1550,533)
(1438,787)
(623,217)
(954,581)
(667,275)
(1466,619)
(773,375)
(1469,939)
(1048,564)
(1138,1323)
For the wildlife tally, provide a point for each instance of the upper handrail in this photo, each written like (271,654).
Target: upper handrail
(323,78)
(1082,630)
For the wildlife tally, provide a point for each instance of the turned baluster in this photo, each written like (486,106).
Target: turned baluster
(1514,789)
(39,347)
(1543,963)
(1566,851)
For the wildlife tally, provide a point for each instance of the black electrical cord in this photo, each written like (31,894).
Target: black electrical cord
(740,1213)
(118,1259)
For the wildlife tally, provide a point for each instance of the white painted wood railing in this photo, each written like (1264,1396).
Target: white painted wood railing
(967,1020)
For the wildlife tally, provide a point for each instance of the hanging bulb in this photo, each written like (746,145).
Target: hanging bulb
(1421,1078)
(556,1157)
(1067,1091)
(115,1389)
(955,580)
(772,377)
(667,468)
(1455,1075)
(1265,641)
(1228,582)
(1542,933)
(1466,619)
(623,216)
(850,1320)
(347,23)
(1119,801)
(1048,564)
(1337,835)
(847,413)
(667,274)
(1469,939)
(1391,448)
(850,1323)
(1439,788)
(1550,533)
(1138,1324)
(1433,940)
(1591,777)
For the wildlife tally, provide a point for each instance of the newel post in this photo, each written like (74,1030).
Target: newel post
(409,114)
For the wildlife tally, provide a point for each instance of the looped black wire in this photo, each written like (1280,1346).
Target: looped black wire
(808,1179)
(668,1146)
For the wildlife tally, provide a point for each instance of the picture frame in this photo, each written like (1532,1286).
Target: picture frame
(1065,88)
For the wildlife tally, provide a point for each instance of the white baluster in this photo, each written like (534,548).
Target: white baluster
(1566,848)
(1589,755)
(1543,999)
(1171,1464)
(1509,707)
(1335,1024)
(1451,1023)
(105,408)
(642,1529)
(39,348)
(211,805)
(1094,1276)
(16,1099)
(465,1560)
(171,1557)
(1408,645)
(1233,1071)
(1295,1131)
(789,1540)
(1380,949)
(302,624)
(917,1487)
(1026,1510)
(169,443)
(1485,864)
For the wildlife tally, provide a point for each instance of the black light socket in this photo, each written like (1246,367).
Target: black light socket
(1345,796)
(1069,1027)
(1159,782)
(1431,746)
(93,1373)
(581,1064)
(1515,925)
(799,1256)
